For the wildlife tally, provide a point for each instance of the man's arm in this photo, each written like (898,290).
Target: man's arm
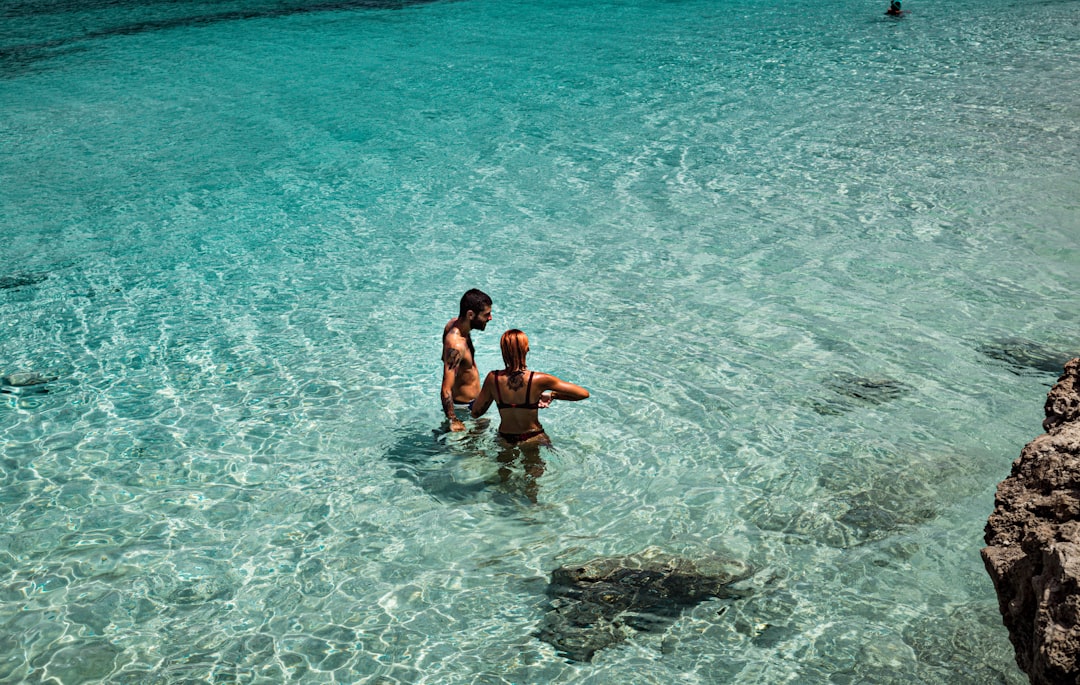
(483,400)
(452,359)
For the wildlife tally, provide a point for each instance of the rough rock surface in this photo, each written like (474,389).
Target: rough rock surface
(1033,542)
(602,601)
(25,379)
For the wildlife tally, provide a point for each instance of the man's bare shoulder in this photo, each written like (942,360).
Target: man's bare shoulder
(451,334)
(453,339)
(451,324)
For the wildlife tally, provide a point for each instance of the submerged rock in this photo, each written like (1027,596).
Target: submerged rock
(865,494)
(21,280)
(851,390)
(844,520)
(25,379)
(603,601)
(25,383)
(1033,542)
(1025,356)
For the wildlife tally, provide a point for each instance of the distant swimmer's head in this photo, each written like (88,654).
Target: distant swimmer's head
(475,308)
(894,6)
(515,346)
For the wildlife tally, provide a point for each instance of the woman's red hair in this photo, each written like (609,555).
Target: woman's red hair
(515,345)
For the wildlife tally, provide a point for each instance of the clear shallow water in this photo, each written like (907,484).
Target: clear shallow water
(234,239)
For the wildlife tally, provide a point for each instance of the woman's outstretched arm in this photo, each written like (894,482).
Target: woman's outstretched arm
(559,389)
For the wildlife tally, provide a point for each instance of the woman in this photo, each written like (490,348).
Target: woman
(519,393)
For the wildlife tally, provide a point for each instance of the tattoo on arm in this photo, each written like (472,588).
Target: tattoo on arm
(452,362)
(453,359)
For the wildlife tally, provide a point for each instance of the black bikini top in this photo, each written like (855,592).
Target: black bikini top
(515,405)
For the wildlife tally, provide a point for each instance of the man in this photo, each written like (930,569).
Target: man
(461,379)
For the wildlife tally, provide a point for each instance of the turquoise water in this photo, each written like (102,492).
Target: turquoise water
(794,255)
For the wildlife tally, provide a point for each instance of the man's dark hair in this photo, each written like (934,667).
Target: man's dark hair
(473,301)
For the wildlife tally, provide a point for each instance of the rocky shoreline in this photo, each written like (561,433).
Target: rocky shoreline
(1033,542)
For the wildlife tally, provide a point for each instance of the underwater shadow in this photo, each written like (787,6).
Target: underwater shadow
(465,468)
(16,59)
(426,457)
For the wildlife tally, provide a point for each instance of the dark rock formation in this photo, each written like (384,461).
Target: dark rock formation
(1033,538)
(25,379)
(851,391)
(25,383)
(1024,357)
(603,601)
(21,280)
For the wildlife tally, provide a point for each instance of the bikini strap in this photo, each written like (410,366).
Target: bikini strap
(528,387)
